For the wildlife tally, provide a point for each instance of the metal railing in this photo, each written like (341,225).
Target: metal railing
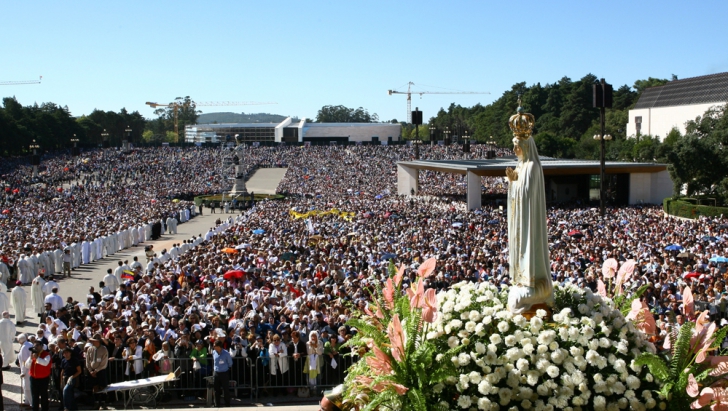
(250,377)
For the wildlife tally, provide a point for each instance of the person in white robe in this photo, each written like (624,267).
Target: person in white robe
(174,252)
(98,246)
(4,273)
(104,246)
(41,263)
(19,298)
(24,354)
(118,272)
(85,252)
(34,266)
(148,231)
(25,275)
(111,281)
(58,261)
(140,233)
(76,254)
(36,294)
(174,226)
(134,236)
(169,224)
(7,335)
(4,301)
(49,286)
(51,267)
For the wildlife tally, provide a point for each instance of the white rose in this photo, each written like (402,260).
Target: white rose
(464,401)
(480,348)
(510,340)
(475,377)
(552,371)
(474,316)
(470,327)
(463,359)
(484,404)
(484,387)
(503,326)
(496,338)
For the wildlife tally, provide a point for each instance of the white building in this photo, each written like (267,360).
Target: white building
(662,108)
(299,132)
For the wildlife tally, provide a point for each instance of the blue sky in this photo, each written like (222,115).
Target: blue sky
(304,55)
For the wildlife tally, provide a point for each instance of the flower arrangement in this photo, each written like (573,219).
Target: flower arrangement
(462,349)
(688,366)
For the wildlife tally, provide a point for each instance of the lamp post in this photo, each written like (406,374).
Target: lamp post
(35,161)
(74,149)
(432,134)
(125,143)
(491,148)
(602,166)
(104,137)
(447,135)
(466,143)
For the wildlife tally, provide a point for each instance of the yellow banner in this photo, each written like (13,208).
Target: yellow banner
(346,215)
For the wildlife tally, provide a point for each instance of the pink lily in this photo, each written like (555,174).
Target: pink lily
(380,363)
(400,274)
(718,365)
(388,293)
(396,337)
(426,268)
(688,302)
(601,288)
(692,389)
(429,313)
(417,297)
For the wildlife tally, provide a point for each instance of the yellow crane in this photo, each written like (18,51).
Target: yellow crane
(176,105)
(409,93)
(17,83)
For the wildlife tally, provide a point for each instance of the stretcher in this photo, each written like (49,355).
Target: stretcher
(143,391)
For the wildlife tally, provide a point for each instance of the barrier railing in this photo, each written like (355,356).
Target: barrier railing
(250,377)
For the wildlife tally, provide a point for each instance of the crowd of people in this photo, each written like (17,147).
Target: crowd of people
(274,289)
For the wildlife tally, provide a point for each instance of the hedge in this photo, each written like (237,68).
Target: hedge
(681,208)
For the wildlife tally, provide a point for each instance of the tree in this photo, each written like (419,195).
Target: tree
(342,114)
(641,85)
(552,145)
(186,111)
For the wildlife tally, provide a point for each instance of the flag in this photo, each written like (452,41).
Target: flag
(309,225)
(127,275)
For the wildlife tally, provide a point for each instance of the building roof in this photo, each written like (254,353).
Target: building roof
(712,88)
(550,166)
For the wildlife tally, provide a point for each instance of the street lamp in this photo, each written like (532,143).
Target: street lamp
(447,135)
(125,143)
(490,154)
(466,143)
(74,149)
(35,160)
(432,134)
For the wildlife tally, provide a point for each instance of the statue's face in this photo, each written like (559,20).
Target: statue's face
(517,149)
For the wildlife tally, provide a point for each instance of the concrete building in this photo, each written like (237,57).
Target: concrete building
(565,180)
(662,108)
(299,132)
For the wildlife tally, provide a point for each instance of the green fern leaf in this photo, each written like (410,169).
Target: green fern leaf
(656,365)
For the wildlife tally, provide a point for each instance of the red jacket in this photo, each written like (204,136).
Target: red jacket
(38,370)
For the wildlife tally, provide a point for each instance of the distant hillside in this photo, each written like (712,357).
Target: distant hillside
(211,118)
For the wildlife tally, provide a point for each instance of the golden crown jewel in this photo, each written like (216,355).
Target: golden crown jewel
(521,123)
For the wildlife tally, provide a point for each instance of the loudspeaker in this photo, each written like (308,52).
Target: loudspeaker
(608,95)
(417,117)
(466,146)
(598,95)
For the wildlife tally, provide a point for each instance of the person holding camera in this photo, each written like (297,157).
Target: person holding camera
(39,367)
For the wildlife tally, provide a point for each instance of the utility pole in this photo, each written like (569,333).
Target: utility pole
(602,99)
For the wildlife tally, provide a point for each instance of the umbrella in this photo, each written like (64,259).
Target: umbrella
(713,259)
(673,247)
(576,234)
(6,211)
(691,275)
(458,224)
(229,250)
(234,275)
(609,267)
(259,231)
(289,256)
(241,246)
(623,222)
(378,197)
(562,222)
(493,222)
(176,200)
(685,255)
(388,256)
(710,238)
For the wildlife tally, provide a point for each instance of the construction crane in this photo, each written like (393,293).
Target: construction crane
(176,107)
(409,93)
(21,82)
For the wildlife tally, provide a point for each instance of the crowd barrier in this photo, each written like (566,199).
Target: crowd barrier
(249,377)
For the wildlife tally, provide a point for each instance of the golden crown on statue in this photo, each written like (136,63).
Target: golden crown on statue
(521,123)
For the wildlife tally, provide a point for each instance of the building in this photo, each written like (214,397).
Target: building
(299,132)
(662,108)
(565,180)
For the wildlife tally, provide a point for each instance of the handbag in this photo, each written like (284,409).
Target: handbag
(196,366)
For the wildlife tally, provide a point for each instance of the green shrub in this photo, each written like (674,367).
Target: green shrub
(683,208)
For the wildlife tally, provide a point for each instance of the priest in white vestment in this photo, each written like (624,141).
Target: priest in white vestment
(85,252)
(4,301)
(25,274)
(58,261)
(19,298)
(134,236)
(37,296)
(4,273)
(24,354)
(7,335)
(111,281)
